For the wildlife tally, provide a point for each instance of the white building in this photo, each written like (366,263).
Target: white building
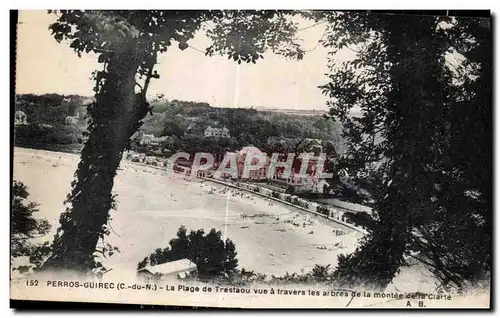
(181,269)
(149,139)
(70,120)
(217,132)
(20,118)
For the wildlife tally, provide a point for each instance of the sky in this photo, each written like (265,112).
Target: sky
(45,66)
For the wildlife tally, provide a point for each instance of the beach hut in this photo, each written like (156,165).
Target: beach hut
(181,269)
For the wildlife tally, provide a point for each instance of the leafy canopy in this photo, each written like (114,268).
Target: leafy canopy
(241,35)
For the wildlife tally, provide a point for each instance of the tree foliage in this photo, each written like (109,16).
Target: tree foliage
(422,143)
(24,227)
(212,255)
(128,44)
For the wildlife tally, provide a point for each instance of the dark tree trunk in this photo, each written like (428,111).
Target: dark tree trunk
(414,106)
(115,115)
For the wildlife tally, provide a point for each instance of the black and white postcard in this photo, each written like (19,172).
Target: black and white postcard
(252,158)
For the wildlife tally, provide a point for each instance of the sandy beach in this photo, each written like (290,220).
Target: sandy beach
(270,238)
(153,205)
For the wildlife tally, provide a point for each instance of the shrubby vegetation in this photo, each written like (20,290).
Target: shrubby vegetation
(422,146)
(57,137)
(212,255)
(49,108)
(184,121)
(187,121)
(319,275)
(24,227)
(46,128)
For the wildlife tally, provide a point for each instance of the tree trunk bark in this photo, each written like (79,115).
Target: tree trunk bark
(115,115)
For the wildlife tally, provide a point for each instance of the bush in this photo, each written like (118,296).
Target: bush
(362,219)
(209,252)
(320,272)
(42,136)
(61,137)
(24,227)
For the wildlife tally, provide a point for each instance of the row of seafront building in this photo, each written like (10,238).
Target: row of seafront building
(294,182)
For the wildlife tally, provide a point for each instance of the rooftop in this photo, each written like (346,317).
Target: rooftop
(170,267)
